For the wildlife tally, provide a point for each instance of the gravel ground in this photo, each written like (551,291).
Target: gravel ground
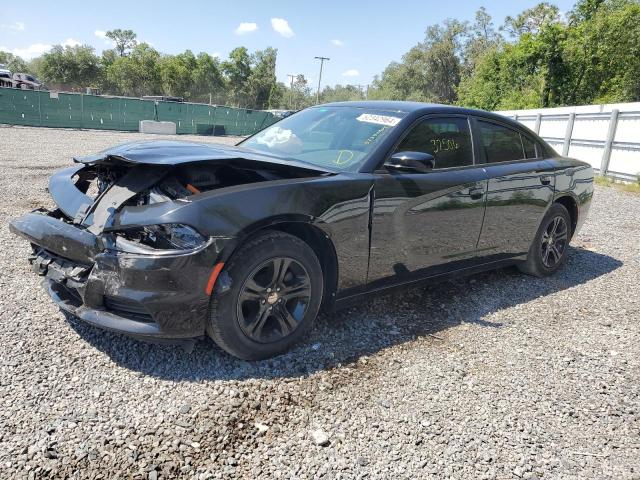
(498,375)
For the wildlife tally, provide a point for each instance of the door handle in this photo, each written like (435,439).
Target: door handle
(476,192)
(545,180)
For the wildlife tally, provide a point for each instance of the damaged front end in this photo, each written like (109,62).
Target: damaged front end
(124,250)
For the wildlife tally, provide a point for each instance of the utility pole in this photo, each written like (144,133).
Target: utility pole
(291,90)
(364,89)
(322,59)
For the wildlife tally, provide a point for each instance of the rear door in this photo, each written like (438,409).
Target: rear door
(520,189)
(426,223)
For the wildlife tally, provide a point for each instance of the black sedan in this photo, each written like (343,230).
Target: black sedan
(174,240)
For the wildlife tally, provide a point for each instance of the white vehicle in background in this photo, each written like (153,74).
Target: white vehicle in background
(6,78)
(26,81)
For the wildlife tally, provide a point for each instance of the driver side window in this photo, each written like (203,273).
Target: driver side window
(447,139)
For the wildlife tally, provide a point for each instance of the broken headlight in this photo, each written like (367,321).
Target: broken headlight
(170,236)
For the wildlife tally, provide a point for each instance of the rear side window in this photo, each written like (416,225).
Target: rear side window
(448,139)
(529,147)
(500,144)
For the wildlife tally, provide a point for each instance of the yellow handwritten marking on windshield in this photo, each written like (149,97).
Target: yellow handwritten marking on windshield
(444,145)
(343,153)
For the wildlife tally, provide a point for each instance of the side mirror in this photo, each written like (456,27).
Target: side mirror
(416,162)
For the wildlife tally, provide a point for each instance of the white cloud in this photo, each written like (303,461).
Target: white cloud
(246,27)
(352,72)
(281,26)
(38,49)
(29,52)
(215,54)
(14,27)
(70,42)
(103,35)
(337,43)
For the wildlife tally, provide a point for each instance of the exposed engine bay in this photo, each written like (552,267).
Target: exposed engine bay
(180,182)
(114,183)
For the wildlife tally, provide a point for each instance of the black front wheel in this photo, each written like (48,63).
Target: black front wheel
(276,292)
(549,248)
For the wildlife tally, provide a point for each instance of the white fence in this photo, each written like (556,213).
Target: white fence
(606,136)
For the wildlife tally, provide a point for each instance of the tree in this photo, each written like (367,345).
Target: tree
(207,79)
(124,40)
(593,58)
(237,70)
(176,73)
(262,78)
(341,93)
(481,37)
(136,74)
(73,67)
(584,10)
(430,71)
(13,62)
(300,94)
(532,20)
(603,52)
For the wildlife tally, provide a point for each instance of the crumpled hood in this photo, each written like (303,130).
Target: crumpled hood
(174,152)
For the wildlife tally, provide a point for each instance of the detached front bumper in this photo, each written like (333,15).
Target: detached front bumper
(143,295)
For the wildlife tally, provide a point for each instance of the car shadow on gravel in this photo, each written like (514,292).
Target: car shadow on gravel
(345,336)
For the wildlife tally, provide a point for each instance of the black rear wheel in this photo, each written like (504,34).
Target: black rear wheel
(549,248)
(276,292)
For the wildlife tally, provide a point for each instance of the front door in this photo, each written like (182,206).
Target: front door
(427,223)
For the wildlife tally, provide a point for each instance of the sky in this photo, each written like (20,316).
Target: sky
(360,37)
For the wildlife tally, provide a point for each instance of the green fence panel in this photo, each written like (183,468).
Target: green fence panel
(178,113)
(62,110)
(203,118)
(133,110)
(236,122)
(72,110)
(102,113)
(223,118)
(19,107)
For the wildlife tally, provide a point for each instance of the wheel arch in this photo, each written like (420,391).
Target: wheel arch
(316,235)
(570,203)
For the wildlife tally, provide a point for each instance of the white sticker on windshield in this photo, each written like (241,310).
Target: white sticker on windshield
(386,120)
(274,136)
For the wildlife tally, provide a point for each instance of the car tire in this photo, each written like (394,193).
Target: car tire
(549,249)
(259,316)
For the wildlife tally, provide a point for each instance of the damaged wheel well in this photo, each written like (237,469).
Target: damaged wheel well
(322,246)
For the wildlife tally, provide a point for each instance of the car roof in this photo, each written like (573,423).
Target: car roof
(414,107)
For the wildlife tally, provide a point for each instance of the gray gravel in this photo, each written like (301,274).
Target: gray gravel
(498,375)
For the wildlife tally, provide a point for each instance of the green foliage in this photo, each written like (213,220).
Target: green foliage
(14,63)
(341,93)
(125,40)
(591,57)
(430,71)
(136,74)
(72,66)
(237,70)
(594,58)
(532,20)
(262,78)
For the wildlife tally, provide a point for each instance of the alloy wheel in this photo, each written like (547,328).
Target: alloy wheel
(274,299)
(554,241)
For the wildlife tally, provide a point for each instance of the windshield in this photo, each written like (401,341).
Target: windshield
(336,138)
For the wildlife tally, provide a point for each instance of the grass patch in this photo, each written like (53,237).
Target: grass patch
(632,187)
